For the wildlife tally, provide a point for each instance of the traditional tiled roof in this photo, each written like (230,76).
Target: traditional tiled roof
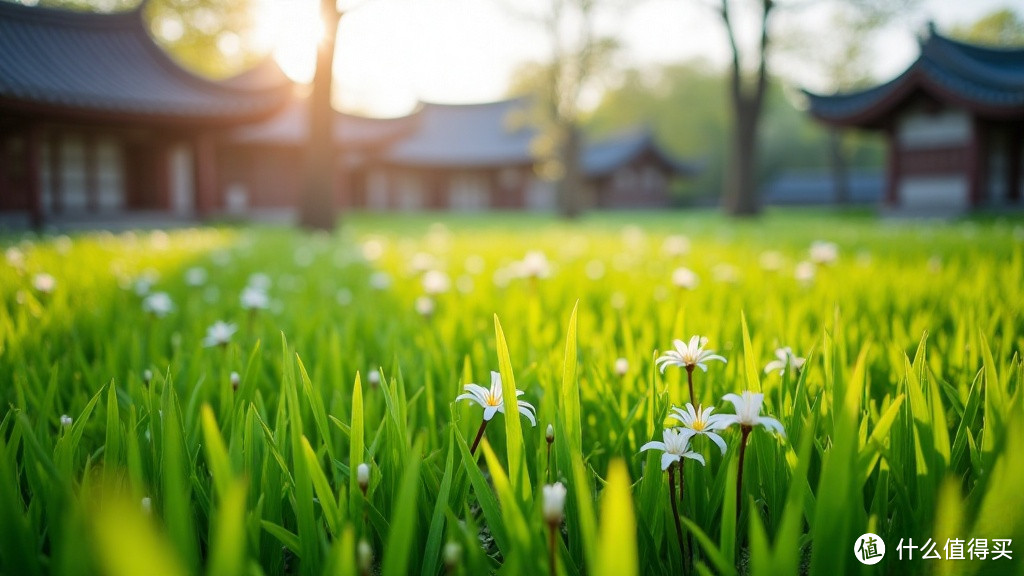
(987,81)
(59,62)
(290,127)
(604,156)
(467,135)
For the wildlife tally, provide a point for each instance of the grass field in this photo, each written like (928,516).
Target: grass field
(128,447)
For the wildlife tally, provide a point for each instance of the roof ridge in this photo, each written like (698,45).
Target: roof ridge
(65,16)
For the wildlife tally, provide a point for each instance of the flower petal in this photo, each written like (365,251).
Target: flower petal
(654,445)
(772,424)
(695,456)
(489,411)
(471,397)
(668,459)
(718,440)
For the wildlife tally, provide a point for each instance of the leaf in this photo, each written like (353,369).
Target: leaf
(228,546)
(128,544)
(617,539)
(515,448)
(356,449)
(403,522)
(216,452)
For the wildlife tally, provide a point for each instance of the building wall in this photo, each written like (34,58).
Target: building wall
(934,160)
(644,183)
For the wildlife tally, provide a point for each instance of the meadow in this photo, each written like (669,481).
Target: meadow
(139,436)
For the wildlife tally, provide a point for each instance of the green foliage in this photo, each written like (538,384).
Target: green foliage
(904,421)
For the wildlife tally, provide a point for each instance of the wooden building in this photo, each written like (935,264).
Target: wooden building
(461,157)
(954,123)
(96,120)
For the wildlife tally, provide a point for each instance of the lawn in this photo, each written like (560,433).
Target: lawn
(138,436)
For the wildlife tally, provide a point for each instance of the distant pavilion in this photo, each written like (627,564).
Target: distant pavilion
(95,119)
(954,123)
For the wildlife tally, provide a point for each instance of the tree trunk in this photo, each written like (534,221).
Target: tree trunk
(318,210)
(837,160)
(571,186)
(741,195)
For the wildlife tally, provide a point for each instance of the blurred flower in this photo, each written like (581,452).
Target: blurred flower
(146,505)
(343,297)
(535,265)
(66,421)
(425,305)
(44,283)
(771,260)
(474,264)
(554,503)
(785,359)
(804,272)
(621,366)
(675,246)
(726,273)
(235,380)
(195,276)
(676,446)
(364,556)
(147,376)
(422,262)
(685,278)
(822,252)
(253,298)
(698,422)
(15,257)
(380,281)
(158,304)
(373,377)
(492,401)
(748,412)
(260,281)
(452,555)
(436,282)
(143,286)
(464,284)
(688,355)
(219,334)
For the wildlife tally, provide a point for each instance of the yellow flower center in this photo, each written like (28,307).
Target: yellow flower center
(698,424)
(493,400)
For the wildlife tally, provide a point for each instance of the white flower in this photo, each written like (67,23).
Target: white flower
(685,278)
(219,334)
(822,252)
(491,400)
(373,377)
(254,299)
(675,246)
(688,355)
(698,422)
(158,304)
(147,375)
(535,265)
(771,260)
(195,276)
(260,281)
(425,305)
(44,283)
(380,281)
(235,380)
(554,502)
(621,366)
(804,272)
(436,282)
(15,257)
(147,505)
(675,447)
(786,359)
(364,556)
(66,421)
(748,412)
(549,434)
(363,476)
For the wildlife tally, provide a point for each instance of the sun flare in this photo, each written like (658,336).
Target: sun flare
(291,31)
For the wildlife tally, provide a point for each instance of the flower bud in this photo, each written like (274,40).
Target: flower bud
(147,505)
(363,477)
(364,556)
(147,376)
(549,434)
(235,381)
(373,377)
(621,366)
(452,555)
(554,502)
(66,421)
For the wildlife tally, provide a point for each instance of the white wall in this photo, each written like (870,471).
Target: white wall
(923,130)
(934,193)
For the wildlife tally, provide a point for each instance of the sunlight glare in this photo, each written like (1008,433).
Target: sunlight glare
(291,30)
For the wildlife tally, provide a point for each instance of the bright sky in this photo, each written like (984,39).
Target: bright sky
(392,53)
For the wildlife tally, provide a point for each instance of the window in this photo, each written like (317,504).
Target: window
(469,193)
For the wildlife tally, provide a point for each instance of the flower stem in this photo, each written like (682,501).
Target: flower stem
(689,381)
(552,557)
(745,433)
(479,436)
(675,509)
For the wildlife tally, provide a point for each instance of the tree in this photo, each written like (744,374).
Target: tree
(747,89)
(318,208)
(578,54)
(999,28)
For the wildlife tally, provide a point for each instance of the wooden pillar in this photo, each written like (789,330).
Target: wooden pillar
(56,173)
(91,188)
(893,168)
(977,163)
(205,173)
(5,186)
(33,174)
(1013,149)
